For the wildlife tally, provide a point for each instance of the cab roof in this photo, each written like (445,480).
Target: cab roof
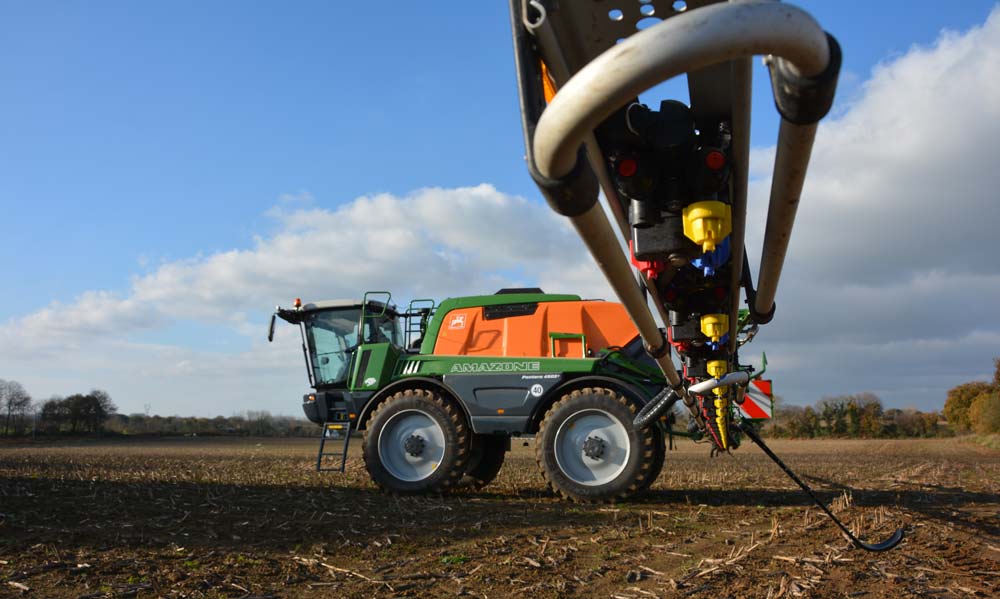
(338,303)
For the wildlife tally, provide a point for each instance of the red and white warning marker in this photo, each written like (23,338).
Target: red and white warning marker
(758,400)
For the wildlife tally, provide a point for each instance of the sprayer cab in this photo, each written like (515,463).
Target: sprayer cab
(333,330)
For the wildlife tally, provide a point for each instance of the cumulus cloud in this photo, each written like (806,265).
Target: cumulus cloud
(432,243)
(892,273)
(891,284)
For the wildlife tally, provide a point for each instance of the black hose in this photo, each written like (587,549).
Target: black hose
(885,545)
(660,403)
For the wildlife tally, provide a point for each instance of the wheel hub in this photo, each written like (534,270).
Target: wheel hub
(414,445)
(591,447)
(594,448)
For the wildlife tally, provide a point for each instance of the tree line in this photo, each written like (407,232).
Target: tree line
(854,416)
(975,406)
(78,413)
(95,412)
(252,423)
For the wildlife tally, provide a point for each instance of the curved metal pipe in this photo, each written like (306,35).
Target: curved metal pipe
(686,42)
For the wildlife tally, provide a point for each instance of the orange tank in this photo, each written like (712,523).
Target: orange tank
(566,329)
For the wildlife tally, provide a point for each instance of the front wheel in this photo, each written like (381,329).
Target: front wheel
(416,442)
(588,450)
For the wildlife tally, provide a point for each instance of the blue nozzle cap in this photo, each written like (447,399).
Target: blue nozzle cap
(710,261)
(716,345)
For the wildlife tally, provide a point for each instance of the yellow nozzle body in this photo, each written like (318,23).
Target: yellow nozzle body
(716,369)
(714,326)
(707,223)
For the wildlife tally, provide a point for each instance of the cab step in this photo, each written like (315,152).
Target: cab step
(337,430)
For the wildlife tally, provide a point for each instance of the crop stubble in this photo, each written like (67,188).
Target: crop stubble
(250,518)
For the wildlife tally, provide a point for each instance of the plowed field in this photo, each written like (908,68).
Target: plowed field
(251,518)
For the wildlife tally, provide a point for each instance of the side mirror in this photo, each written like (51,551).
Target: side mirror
(270,328)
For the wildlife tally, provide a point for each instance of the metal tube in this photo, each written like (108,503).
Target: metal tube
(733,378)
(742,81)
(596,232)
(790,164)
(549,48)
(689,41)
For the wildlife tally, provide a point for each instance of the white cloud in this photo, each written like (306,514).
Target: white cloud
(905,181)
(892,273)
(432,243)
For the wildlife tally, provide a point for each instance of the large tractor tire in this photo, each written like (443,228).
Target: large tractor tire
(588,450)
(659,458)
(416,442)
(487,455)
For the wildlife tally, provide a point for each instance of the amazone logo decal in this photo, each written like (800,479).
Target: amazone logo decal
(496,367)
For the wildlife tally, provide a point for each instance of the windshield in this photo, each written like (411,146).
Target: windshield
(332,336)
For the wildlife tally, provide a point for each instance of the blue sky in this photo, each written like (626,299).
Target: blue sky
(137,135)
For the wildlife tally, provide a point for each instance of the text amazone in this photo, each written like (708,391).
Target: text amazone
(496,367)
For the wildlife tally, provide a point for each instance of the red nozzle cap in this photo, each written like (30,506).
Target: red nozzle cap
(627,167)
(297,303)
(715,160)
(650,268)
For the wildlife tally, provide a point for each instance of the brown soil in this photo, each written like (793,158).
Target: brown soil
(251,518)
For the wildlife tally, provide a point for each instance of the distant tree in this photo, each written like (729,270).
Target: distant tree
(97,408)
(984,413)
(76,411)
(870,414)
(996,373)
(956,406)
(803,423)
(261,423)
(909,423)
(834,413)
(853,417)
(15,401)
(54,414)
(931,420)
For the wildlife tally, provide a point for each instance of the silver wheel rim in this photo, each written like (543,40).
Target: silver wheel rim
(592,429)
(406,433)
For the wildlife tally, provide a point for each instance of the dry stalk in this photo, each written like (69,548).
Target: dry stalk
(357,575)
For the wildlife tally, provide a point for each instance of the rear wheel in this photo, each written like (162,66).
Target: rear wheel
(658,459)
(588,450)
(487,455)
(416,441)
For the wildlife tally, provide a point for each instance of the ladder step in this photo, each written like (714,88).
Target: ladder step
(332,431)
